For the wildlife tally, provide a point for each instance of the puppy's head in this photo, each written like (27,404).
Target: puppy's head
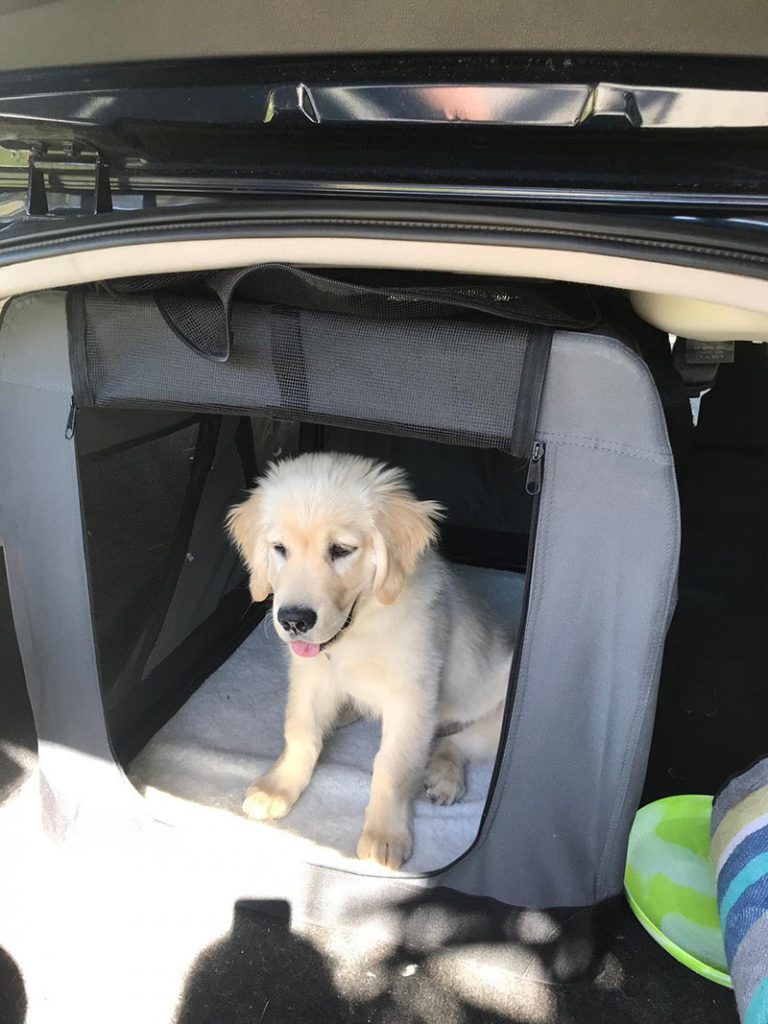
(321,530)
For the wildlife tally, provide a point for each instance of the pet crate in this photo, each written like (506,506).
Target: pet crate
(135,413)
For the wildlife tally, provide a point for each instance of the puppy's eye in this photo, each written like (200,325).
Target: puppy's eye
(279,548)
(336,551)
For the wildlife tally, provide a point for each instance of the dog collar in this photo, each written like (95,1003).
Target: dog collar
(336,636)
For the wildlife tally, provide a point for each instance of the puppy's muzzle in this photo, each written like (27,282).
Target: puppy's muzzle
(296,619)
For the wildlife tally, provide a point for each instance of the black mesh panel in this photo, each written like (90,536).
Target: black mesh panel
(133,499)
(197,306)
(446,380)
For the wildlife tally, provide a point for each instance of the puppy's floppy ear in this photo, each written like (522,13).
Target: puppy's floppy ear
(404,529)
(246,528)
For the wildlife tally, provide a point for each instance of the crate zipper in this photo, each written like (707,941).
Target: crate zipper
(533,484)
(69,431)
(533,480)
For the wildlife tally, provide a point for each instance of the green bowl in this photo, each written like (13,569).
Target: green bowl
(670,883)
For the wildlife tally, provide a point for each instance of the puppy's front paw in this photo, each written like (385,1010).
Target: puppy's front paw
(265,799)
(444,781)
(391,850)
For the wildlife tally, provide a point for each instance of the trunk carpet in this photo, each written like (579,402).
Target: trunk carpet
(252,975)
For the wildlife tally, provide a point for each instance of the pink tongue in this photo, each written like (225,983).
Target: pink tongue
(304,650)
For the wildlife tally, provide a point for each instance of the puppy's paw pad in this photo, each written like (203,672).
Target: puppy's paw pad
(389,850)
(444,782)
(263,802)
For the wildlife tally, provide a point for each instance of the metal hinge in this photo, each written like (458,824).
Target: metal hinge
(59,168)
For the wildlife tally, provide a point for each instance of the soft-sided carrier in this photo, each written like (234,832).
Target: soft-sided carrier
(133,414)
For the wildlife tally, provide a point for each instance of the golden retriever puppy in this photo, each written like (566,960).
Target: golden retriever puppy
(378,624)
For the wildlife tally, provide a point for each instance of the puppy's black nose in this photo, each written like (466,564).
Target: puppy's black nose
(296,620)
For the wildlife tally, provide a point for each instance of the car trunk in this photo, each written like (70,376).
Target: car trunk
(480,168)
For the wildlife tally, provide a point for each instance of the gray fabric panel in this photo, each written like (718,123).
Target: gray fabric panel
(602,591)
(39,360)
(36,34)
(599,394)
(42,533)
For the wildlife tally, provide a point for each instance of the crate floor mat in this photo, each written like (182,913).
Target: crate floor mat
(199,765)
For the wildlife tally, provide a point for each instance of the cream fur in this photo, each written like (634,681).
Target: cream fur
(419,651)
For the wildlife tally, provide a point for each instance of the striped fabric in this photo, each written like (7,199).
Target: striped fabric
(740,857)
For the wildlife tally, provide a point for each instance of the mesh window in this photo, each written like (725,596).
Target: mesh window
(135,498)
(452,381)
(169,593)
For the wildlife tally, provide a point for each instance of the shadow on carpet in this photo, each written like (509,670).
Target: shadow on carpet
(262,972)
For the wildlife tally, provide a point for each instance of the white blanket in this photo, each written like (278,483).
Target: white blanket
(230,731)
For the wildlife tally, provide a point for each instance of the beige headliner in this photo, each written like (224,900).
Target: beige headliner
(641,276)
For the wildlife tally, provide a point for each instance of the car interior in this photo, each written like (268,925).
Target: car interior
(701,335)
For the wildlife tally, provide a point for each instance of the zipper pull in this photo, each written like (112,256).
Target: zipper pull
(69,433)
(533,480)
